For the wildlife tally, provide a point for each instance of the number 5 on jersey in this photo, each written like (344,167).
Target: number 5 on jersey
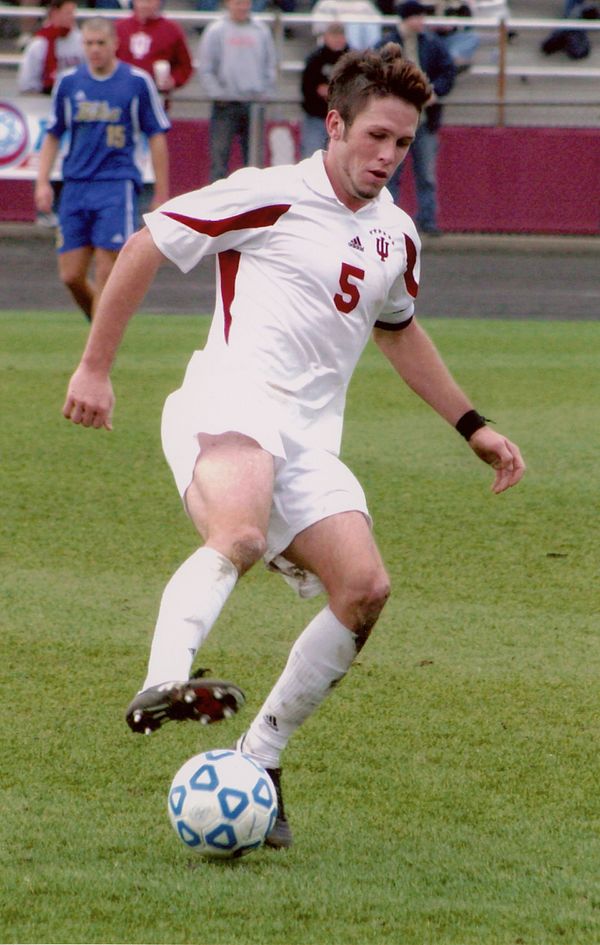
(348,299)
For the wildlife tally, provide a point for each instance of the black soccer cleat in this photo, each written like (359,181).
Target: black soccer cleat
(196,700)
(281,835)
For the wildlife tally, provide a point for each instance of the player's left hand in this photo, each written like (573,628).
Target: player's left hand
(498,452)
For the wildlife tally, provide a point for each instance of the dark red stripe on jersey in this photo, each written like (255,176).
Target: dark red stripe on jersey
(394,326)
(229,262)
(250,219)
(412,286)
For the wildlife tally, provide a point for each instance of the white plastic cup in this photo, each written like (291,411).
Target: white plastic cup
(162,71)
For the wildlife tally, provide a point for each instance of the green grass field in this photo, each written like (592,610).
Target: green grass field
(446,794)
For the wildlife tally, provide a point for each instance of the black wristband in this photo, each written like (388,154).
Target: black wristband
(469,423)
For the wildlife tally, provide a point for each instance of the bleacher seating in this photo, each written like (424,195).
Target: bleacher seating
(510,82)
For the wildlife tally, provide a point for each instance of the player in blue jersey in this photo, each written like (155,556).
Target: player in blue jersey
(102,106)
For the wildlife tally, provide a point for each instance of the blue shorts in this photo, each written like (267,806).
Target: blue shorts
(96,213)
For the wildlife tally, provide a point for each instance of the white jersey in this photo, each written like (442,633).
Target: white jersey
(301,281)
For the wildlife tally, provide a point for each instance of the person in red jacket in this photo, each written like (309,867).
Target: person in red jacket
(149,40)
(55,47)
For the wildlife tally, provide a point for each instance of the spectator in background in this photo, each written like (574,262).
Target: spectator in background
(237,66)
(111,4)
(574,43)
(258,6)
(55,47)
(315,84)
(358,35)
(286,6)
(497,9)
(426,50)
(101,104)
(461,42)
(147,38)
(581,9)
(26,25)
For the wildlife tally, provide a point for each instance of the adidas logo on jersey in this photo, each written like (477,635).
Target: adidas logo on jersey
(356,244)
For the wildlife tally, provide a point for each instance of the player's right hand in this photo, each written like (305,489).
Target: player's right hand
(43,197)
(90,399)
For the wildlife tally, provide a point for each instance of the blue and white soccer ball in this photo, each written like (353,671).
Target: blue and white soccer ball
(222,804)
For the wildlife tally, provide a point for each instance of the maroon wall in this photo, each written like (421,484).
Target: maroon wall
(540,180)
(16,201)
(491,180)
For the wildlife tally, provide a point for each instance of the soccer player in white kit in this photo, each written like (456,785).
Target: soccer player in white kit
(312,260)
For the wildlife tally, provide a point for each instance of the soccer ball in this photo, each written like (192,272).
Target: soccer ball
(222,804)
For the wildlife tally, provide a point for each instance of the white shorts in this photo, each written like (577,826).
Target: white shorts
(310,482)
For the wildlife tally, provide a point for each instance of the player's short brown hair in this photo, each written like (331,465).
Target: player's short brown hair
(375,73)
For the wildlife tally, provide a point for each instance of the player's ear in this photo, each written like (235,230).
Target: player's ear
(334,125)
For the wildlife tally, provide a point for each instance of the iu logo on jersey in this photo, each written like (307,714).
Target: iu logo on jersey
(139,45)
(383,241)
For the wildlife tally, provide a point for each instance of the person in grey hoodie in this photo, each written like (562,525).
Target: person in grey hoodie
(237,66)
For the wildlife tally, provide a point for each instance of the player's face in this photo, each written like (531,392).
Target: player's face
(146,9)
(414,24)
(335,40)
(361,158)
(239,10)
(64,17)
(100,49)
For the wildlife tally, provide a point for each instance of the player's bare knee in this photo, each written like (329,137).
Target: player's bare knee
(72,281)
(248,545)
(374,601)
(362,602)
(368,611)
(372,593)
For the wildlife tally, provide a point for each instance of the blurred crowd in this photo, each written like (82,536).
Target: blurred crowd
(148,35)
(236,61)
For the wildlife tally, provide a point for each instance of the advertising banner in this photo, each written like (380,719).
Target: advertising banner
(22,125)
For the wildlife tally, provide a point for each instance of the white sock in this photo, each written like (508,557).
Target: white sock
(191,602)
(320,657)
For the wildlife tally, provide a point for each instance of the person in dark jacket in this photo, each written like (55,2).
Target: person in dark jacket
(315,84)
(429,52)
